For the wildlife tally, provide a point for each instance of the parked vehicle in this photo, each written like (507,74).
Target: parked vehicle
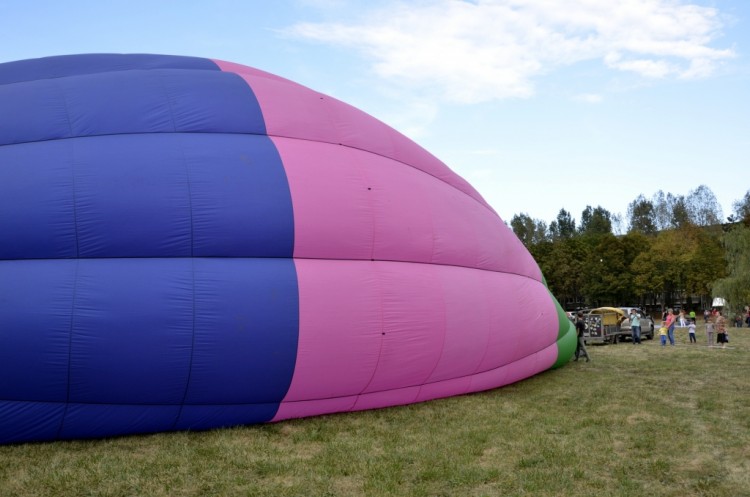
(647,323)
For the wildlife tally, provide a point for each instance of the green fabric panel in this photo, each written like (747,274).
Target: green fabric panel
(566,336)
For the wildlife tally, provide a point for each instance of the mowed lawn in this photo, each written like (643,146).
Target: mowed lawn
(636,421)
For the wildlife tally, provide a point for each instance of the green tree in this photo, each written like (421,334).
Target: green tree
(704,209)
(563,265)
(735,287)
(641,216)
(634,244)
(661,269)
(530,231)
(680,212)
(607,276)
(595,221)
(741,210)
(563,227)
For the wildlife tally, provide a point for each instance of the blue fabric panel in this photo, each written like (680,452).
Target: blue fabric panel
(211,102)
(36,304)
(246,330)
(29,421)
(132,331)
(242,205)
(34,111)
(156,101)
(37,218)
(195,417)
(70,65)
(116,103)
(132,197)
(96,421)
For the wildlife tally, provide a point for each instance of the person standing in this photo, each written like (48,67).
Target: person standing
(721,330)
(635,327)
(691,332)
(706,315)
(682,319)
(663,335)
(670,324)
(581,345)
(710,331)
(692,316)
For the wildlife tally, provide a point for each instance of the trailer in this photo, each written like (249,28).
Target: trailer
(604,325)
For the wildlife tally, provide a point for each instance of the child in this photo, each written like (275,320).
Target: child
(691,331)
(710,331)
(663,335)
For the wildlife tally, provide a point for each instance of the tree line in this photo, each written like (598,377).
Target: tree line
(669,249)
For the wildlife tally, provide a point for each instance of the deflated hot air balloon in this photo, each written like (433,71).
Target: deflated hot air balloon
(188,243)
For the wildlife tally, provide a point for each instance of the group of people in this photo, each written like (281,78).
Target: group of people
(715,323)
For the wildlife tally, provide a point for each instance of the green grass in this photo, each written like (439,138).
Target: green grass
(637,420)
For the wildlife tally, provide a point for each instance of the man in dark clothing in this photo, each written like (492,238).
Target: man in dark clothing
(581,346)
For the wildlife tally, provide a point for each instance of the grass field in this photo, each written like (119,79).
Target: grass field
(635,421)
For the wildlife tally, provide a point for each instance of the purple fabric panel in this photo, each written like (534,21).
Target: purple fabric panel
(292,110)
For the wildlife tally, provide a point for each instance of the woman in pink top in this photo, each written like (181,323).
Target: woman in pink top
(670,326)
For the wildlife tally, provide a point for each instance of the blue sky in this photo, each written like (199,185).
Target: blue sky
(540,104)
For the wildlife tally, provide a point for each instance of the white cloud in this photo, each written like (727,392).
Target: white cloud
(470,52)
(589,98)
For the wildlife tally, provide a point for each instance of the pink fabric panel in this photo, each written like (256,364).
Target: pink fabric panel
(295,111)
(497,246)
(304,408)
(445,388)
(332,205)
(524,368)
(467,323)
(351,204)
(340,331)
(488,380)
(402,215)
(396,397)
(413,325)
(523,318)
(240,69)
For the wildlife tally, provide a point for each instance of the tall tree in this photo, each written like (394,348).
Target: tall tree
(742,210)
(618,225)
(563,266)
(704,209)
(641,216)
(563,227)
(634,244)
(662,211)
(607,282)
(680,211)
(595,221)
(530,231)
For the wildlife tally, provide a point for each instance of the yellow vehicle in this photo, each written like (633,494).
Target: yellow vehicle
(604,325)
